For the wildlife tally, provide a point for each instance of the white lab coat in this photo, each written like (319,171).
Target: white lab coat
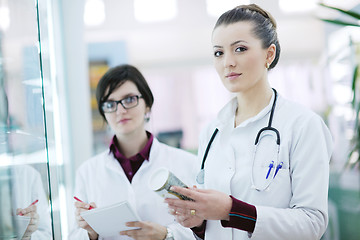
(26,188)
(295,205)
(103,181)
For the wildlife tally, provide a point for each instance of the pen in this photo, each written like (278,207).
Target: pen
(33,203)
(270,167)
(77,199)
(278,167)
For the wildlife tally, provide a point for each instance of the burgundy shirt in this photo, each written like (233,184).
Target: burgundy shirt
(131,165)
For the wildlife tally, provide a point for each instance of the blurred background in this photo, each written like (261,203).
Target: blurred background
(52,54)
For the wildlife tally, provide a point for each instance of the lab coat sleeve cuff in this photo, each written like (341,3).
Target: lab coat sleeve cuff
(199,231)
(242,216)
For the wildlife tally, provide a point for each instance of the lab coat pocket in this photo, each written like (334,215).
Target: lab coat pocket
(262,177)
(274,190)
(265,162)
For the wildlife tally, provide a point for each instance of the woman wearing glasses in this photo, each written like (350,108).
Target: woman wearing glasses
(265,160)
(122,172)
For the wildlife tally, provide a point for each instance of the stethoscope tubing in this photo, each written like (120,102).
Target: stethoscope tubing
(200,177)
(208,148)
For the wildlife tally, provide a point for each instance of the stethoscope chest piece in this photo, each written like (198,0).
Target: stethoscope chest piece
(200,177)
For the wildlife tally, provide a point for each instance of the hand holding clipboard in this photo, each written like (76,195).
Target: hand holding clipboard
(80,208)
(27,220)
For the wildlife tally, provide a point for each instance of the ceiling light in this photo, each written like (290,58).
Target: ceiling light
(154,10)
(4,18)
(94,13)
(291,6)
(215,7)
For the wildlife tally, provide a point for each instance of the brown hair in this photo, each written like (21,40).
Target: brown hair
(264,25)
(115,77)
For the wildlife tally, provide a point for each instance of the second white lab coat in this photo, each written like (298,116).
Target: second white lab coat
(295,205)
(26,188)
(103,181)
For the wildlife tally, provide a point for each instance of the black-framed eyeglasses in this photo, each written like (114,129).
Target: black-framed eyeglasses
(127,103)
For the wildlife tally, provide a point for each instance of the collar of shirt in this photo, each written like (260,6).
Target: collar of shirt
(140,156)
(227,113)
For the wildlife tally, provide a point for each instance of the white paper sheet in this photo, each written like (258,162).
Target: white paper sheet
(109,221)
(22,223)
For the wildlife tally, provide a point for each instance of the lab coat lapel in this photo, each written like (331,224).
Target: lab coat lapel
(154,153)
(221,163)
(112,164)
(221,158)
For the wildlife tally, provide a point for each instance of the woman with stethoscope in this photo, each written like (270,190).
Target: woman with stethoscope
(264,160)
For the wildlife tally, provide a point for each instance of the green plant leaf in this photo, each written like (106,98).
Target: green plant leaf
(357,127)
(338,22)
(355,148)
(349,13)
(353,85)
(351,163)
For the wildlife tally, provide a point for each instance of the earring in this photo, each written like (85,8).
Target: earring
(267,65)
(147,117)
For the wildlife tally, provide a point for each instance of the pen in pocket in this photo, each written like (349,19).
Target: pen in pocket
(271,165)
(277,168)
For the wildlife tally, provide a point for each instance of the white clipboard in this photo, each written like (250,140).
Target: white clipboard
(110,221)
(22,222)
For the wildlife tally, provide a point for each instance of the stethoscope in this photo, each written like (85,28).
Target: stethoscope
(272,171)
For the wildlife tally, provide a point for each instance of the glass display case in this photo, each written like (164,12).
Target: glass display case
(26,132)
